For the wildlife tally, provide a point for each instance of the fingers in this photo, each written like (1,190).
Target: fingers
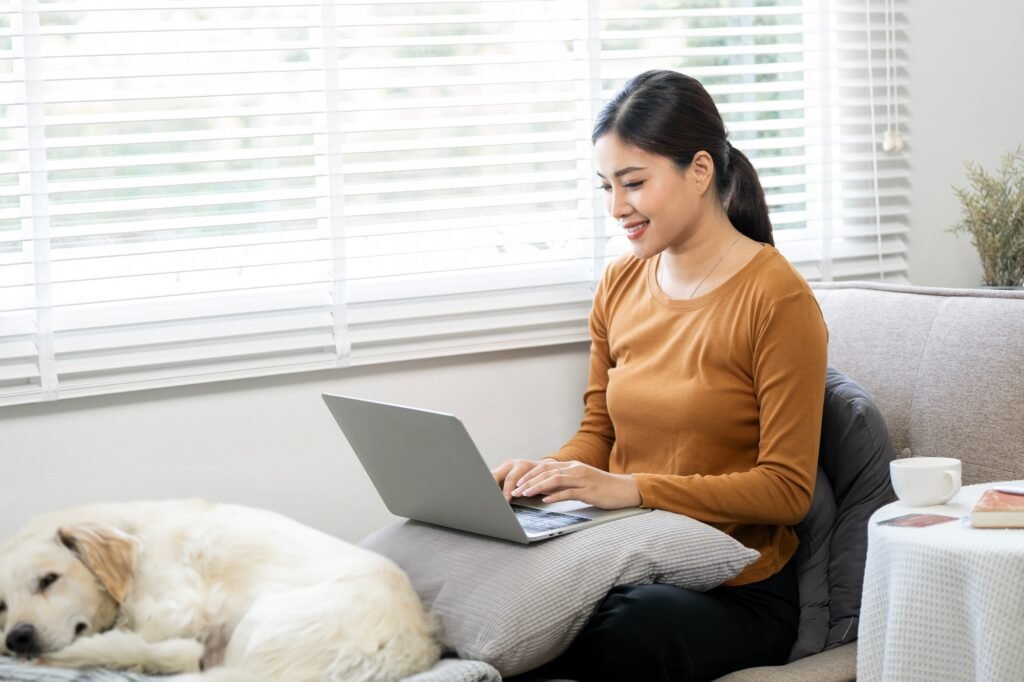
(509,472)
(501,471)
(542,471)
(561,486)
(550,480)
(521,466)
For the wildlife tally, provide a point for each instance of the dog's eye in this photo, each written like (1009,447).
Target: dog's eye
(3,606)
(47,580)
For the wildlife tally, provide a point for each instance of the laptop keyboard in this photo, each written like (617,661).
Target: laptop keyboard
(539,521)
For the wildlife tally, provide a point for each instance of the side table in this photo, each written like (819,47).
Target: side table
(945,602)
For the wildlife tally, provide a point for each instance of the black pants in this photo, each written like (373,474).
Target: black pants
(649,633)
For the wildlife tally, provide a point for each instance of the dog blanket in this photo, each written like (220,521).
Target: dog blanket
(446,670)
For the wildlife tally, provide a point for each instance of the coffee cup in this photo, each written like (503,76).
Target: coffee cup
(924,481)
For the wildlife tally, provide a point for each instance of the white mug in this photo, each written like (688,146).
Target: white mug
(924,481)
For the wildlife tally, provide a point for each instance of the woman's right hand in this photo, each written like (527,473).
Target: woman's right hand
(509,472)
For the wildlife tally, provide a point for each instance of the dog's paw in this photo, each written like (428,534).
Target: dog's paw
(174,656)
(120,650)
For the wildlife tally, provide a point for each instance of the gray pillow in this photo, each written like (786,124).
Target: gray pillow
(853,481)
(517,607)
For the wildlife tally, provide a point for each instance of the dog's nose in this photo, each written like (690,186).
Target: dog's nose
(22,639)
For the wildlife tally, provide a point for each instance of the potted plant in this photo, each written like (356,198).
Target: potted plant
(993,214)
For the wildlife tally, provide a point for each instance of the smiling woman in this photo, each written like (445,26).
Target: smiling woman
(707,376)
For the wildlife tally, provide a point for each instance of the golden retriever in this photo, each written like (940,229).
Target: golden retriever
(189,586)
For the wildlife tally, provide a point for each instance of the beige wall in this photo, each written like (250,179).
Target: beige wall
(271,442)
(966,103)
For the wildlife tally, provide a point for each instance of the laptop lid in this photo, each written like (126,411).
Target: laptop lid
(425,466)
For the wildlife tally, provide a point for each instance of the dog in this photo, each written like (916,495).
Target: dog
(210,592)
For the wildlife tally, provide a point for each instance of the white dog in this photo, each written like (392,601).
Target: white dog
(177,587)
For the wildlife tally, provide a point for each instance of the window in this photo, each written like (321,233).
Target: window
(200,191)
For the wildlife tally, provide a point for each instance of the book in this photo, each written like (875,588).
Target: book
(998,510)
(917,520)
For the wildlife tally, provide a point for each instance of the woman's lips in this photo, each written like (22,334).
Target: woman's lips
(636,230)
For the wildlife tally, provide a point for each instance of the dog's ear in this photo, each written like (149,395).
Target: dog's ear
(110,554)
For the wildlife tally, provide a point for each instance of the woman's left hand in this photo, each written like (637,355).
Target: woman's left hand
(558,481)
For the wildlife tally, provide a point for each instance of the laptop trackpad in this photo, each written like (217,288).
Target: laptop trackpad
(573,507)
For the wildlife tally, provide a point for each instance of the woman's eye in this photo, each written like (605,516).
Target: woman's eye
(633,185)
(604,188)
(47,580)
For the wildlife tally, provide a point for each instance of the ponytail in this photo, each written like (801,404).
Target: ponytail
(743,197)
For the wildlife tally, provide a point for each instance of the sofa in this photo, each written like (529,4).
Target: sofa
(946,369)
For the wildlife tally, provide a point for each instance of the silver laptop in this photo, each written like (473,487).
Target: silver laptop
(426,467)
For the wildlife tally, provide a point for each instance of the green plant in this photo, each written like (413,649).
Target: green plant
(993,214)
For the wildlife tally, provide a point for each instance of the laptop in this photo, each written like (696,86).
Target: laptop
(426,467)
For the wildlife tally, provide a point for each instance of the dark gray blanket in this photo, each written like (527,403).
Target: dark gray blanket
(853,481)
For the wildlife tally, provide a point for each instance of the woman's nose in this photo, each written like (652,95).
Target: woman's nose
(618,207)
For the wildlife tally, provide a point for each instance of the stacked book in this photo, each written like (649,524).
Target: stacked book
(998,509)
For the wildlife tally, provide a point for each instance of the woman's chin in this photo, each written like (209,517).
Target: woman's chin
(642,251)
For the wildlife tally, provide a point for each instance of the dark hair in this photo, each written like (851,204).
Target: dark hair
(667,113)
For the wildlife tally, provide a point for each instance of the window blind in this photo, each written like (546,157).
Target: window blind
(202,191)
(859,192)
(806,89)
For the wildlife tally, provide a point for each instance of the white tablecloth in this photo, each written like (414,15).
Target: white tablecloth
(945,602)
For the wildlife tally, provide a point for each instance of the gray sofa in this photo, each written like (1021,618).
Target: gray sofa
(946,369)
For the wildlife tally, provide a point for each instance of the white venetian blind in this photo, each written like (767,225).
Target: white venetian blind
(200,191)
(791,79)
(857,214)
(173,210)
(463,158)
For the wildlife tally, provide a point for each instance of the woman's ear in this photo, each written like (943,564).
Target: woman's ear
(703,168)
(108,553)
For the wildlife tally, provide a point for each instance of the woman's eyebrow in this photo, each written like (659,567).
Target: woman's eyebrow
(620,173)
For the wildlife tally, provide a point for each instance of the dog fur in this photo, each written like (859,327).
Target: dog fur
(188,586)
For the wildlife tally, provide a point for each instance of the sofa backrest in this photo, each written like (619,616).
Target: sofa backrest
(944,366)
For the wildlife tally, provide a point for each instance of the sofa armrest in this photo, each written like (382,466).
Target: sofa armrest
(834,665)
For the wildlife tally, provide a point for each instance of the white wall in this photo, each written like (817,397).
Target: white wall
(272,443)
(966,103)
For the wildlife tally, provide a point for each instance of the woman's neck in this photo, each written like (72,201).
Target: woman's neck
(688,262)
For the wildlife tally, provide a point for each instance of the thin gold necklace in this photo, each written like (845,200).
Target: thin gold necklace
(705,277)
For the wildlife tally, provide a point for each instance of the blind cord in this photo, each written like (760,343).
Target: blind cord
(892,140)
(874,138)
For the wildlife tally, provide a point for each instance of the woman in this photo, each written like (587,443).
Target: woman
(707,376)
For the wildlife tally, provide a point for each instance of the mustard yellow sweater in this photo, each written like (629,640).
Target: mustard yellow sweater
(714,404)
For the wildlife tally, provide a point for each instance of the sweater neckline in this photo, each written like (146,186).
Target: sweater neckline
(718,292)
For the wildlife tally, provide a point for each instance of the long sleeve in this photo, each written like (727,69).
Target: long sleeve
(789,383)
(593,442)
(713,404)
